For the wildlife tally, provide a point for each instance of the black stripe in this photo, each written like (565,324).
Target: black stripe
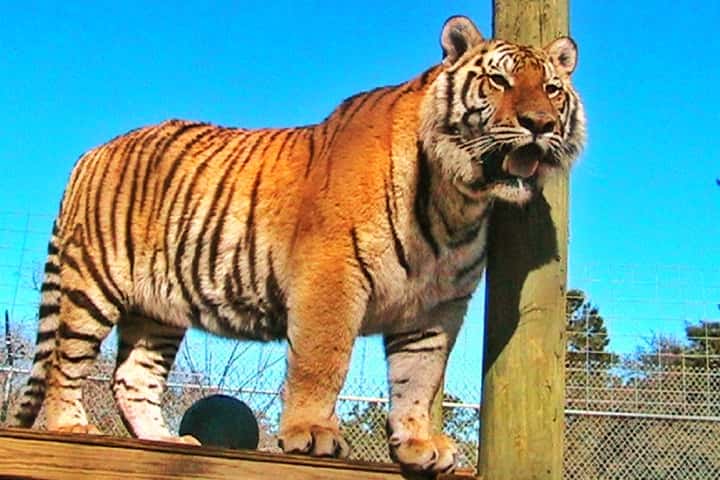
(69,261)
(81,300)
(74,379)
(79,358)
(416,350)
(405,90)
(260,136)
(100,282)
(276,301)
(449,94)
(100,191)
(147,163)
(42,356)
(217,233)
(210,132)
(124,159)
(92,226)
(69,202)
(167,346)
(52,268)
(469,234)
(42,337)
(144,400)
(425,75)
(47,310)
(391,337)
(130,210)
(295,133)
(127,386)
(49,286)
(36,382)
(380,93)
(236,277)
(170,227)
(65,332)
(311,153)
(422,198)
(250,227)
(25,419)
(179,254)
(469,268)
(443,219)
(399,249)
(361,262)
(146,365)
(38,394)
(466,87)
(52,249)
(394,343)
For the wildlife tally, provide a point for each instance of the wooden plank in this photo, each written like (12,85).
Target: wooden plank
(524,361)
(40,455)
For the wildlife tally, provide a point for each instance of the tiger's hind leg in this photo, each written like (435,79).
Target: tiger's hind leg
(146,352)
(88,311)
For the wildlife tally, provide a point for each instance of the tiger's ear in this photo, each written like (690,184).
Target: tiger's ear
(563,53)
(458,35)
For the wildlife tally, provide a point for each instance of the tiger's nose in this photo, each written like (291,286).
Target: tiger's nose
(537,122)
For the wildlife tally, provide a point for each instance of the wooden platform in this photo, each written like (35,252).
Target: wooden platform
(29,454)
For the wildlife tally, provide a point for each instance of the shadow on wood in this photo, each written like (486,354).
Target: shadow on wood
(39,455)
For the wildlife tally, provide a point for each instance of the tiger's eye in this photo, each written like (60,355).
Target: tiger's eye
(551,89)
(500,81)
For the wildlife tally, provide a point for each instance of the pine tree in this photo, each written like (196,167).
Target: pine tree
(587,335)
(703,349)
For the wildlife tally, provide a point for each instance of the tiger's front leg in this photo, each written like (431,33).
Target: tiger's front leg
(416,367)
(323,320)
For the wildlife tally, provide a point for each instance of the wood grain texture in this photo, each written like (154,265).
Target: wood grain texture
(524,361)
(38,455)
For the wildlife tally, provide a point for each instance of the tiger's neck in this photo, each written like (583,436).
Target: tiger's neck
(447,215)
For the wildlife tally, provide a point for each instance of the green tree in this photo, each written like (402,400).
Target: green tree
(703,349)
(587,335)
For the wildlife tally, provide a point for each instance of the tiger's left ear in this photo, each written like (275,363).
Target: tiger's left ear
(459,34)
(563,53)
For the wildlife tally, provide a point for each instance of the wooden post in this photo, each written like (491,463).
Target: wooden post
(524,361)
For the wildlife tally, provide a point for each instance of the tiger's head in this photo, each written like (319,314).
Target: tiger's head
(501,117)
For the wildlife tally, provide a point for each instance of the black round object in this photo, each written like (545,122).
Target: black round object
(221,421)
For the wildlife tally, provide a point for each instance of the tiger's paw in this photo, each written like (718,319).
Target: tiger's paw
(438,454)
(315,440)
(86,429)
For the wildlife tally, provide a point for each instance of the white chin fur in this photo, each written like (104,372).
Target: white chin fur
(515,193)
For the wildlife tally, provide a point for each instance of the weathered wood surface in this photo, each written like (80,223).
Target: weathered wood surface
(38,455)
(524,362)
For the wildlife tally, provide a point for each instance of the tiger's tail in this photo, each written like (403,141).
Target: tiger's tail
(32,396)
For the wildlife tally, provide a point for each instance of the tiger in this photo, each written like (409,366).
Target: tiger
(373,221)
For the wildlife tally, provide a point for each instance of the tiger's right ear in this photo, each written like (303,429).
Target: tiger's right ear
(458,35)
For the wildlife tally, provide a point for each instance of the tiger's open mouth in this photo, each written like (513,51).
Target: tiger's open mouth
(515,167)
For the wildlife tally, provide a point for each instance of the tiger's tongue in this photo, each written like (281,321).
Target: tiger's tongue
(522,162)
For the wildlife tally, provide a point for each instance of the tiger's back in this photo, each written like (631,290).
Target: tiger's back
(198,224)
(372,221)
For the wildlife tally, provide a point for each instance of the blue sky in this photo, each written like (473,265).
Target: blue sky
(645,229)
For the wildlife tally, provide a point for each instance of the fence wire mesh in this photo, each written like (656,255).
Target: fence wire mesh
(642,377)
